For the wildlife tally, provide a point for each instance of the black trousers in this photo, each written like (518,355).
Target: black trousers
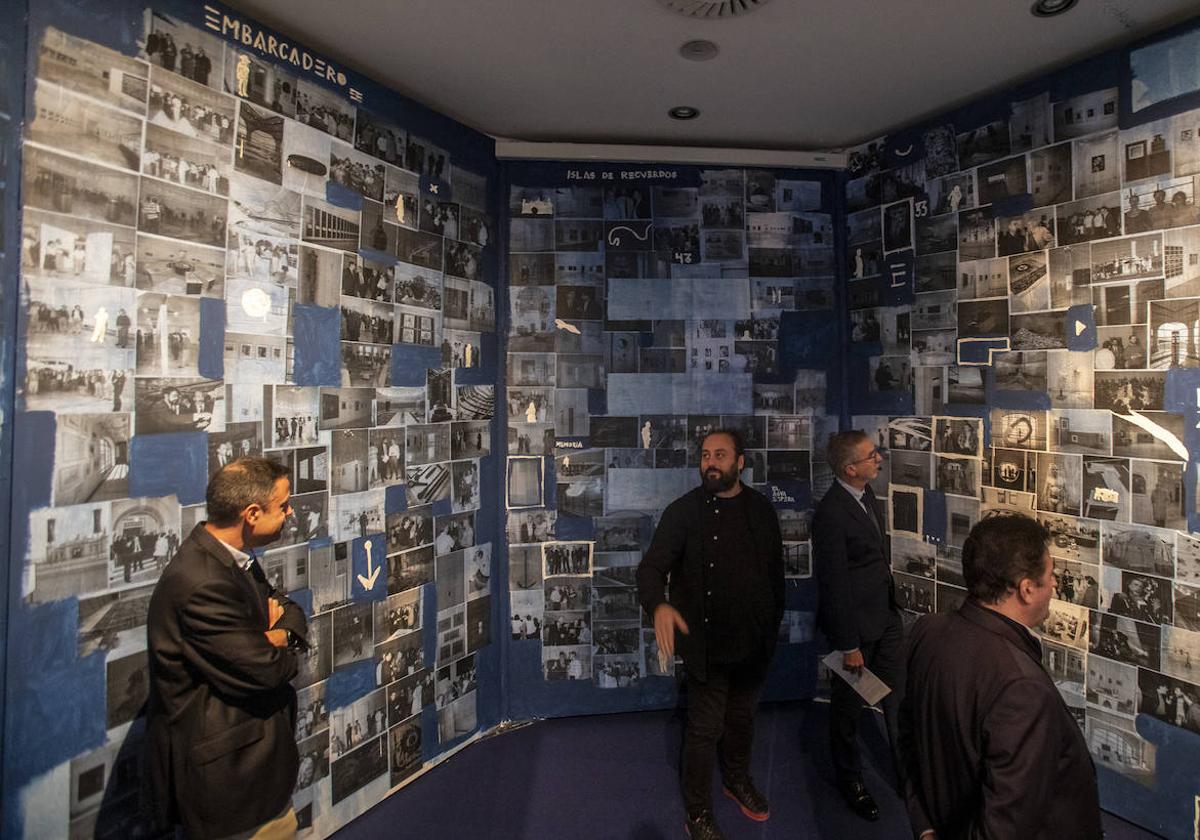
(720,724)
(882,657)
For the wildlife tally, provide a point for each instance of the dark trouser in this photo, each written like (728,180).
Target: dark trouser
(720,714)
(845,706)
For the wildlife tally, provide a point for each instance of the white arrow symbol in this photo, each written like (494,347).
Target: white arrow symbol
(1080,327)
(368,582)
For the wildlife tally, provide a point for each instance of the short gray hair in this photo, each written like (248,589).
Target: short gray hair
(839,452)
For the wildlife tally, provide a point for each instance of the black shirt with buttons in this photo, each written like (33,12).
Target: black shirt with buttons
(723,561)
(738,599)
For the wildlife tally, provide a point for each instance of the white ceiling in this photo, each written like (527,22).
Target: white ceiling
(793,75)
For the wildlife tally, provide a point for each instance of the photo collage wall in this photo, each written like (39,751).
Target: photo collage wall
(1041,356)
(649,307)
(222,257)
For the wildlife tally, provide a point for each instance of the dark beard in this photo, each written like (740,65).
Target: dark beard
(714,484)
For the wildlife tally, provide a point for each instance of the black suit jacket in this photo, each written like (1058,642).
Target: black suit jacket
(993,751)
(678,553)
(853,565)
(221,715)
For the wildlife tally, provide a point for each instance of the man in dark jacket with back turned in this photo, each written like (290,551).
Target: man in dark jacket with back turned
(857,608)
(719,548)
(993,750)
(221,719)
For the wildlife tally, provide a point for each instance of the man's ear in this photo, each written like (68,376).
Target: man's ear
(1025,590)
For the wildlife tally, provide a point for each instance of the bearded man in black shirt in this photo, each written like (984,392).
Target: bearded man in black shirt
(719,548)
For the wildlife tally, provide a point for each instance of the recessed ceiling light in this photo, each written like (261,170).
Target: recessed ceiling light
(683,112)
(1050,8)
(699,50)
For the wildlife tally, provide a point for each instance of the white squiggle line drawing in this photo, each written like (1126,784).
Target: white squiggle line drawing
(616,241)
(904,153)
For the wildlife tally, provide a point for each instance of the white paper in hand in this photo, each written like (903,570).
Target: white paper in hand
(869,687)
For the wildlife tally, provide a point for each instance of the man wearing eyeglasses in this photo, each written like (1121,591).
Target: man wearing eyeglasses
(222,643)
(857,610)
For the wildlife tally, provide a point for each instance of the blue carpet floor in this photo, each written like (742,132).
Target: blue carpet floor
(614,776)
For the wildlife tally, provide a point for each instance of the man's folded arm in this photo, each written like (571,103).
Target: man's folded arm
(229,649)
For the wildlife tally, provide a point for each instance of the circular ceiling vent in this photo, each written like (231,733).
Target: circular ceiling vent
(713,8)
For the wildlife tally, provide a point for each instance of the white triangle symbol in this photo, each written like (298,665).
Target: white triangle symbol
(1080,327)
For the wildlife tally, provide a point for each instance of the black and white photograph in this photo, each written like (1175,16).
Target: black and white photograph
(524,483)
(74,249)
(356,171)
(178,405)
(1142,597)
(409,569)
(181,213)
(1096,164)
(453,533)
(356,514)
(88,68)
(69,185)
(1050,176)
(69,551)
(175,267)
(1125,640)
(404,742)
(958,436)
(190,108)
(352,636)
(1137,548)
(897,226)
(465,478)
(1094,217)
(145,536)
(396,407)
(192,162)
(1125,391)
(1067,624)
(167,336)
(1158,497)
(1156,435)
(330,225)
(71,123)
(361,764)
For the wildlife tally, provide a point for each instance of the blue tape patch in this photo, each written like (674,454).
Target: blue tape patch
(1080,328)
(410,363)
(53,695)
(807,340)
(568,527)
(395,498)
(33,450)
(345,685)
(318,353)
(934,516)
(171,464)
(342,196)
(211,362)
(368,567)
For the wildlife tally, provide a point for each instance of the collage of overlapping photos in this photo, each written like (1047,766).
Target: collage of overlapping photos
(195,187)
(1070,248)
(664,301)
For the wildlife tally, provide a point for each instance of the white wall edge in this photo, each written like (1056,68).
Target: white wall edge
(618,153)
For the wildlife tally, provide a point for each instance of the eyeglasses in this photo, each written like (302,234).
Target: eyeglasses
(875,453)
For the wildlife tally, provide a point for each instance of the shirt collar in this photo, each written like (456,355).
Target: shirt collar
(240,557)
(857,494)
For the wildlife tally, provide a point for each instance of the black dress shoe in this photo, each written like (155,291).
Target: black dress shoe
(860,800)
(703,827)
(749,799)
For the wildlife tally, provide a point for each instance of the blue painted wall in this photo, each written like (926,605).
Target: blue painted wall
(1052,418)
